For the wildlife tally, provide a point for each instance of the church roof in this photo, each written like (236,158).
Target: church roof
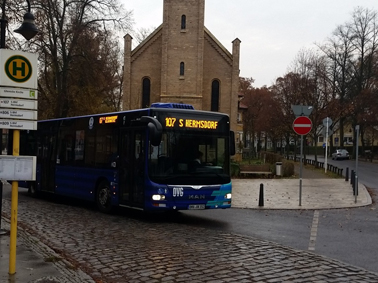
(147,41)
(218,44)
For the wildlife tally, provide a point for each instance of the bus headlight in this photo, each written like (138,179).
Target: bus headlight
(158,197)
(228,196)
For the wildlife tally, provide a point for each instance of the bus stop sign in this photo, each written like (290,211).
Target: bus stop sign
(302,125)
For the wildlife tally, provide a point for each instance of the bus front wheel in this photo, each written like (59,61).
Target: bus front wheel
(103,197)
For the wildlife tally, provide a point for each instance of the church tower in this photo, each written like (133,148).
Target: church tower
(183,62)
(182,51)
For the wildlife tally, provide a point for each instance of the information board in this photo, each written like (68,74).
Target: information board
(18,168)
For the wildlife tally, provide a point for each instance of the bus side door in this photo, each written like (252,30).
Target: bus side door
(47,154)
(131,167)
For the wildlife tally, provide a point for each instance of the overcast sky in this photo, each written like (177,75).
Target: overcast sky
(272,32)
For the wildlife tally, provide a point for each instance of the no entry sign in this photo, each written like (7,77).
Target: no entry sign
(302,125)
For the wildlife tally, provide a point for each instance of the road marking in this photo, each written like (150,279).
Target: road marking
(314,231)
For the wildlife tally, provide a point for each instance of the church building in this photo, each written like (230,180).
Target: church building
(182,62)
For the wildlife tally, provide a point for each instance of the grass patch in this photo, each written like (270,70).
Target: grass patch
(329,174)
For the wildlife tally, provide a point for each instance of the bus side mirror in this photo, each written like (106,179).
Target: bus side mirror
(232,143)
(154,128)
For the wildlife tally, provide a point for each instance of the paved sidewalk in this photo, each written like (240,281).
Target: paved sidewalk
(36,262)
(319,191)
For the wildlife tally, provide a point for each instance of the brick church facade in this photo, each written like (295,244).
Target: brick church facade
(181,61)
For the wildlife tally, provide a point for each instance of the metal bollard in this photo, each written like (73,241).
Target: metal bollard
(346,174)
(355,185)
(351,176)
(261,195)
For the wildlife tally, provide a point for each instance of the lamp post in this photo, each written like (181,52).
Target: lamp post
(3,25)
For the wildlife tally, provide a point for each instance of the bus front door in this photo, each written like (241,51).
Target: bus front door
(131,167)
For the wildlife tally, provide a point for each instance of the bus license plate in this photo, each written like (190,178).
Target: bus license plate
(197,206)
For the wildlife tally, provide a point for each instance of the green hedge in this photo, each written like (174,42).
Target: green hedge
(271,157)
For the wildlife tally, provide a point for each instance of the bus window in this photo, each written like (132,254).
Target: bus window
(176,153)
(89,156)
(79,145)
(65,147)
(28,143)
(106,147)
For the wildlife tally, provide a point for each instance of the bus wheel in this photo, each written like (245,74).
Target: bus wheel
(103,197)
(32,190)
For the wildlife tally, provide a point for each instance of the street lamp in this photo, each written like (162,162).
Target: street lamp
(27,29)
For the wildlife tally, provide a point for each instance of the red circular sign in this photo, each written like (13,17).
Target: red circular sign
(302,125)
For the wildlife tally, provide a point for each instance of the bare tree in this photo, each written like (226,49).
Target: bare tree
(78,55)
(339,53)
(365,40)
(306,84)
(262,117)
(285,93)
(142,33)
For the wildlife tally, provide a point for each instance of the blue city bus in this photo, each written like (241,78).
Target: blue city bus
(141,159)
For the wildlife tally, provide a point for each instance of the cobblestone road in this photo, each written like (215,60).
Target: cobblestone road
(119,248)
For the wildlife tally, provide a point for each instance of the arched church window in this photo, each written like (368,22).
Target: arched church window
(146,92)
(215,95)
(182,68)
(183,22)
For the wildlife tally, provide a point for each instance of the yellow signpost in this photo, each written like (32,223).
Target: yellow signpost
(18,79)
(14,209)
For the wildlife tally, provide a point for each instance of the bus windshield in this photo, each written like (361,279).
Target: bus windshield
(190,158)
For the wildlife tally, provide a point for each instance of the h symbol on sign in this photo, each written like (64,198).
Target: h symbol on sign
(22,68)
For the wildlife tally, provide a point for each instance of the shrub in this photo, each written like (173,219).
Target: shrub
(287,169)
(271,157)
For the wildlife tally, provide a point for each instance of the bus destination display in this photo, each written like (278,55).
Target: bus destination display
(171,122)
(108,119)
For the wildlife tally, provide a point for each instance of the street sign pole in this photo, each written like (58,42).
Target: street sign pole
(300,173)
(14,209)
(326,152)
(327,122)
(302,126)
(356,169)
(18,82)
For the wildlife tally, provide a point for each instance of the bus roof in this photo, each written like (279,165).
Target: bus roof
(172,105)
(162,106)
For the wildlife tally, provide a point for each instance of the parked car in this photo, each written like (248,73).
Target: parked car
(340,154)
